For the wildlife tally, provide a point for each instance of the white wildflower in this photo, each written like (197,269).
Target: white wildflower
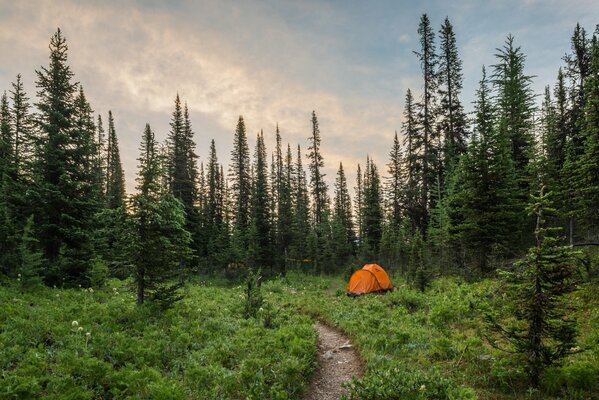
(79,329)
(74,324)
(88,334)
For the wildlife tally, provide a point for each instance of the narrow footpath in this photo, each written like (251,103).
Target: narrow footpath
(338,362)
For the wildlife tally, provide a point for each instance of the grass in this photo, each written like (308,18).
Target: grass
(416,345)
(203,348)
(432,345)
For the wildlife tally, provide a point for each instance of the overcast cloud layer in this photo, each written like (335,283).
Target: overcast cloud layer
(272,62)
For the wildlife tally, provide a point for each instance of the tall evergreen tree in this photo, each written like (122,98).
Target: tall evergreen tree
(342,216)
(301,224)
(161,240)
(21,125)
(359,204)
(577,71)
(413,165)
(241,186)
(217,243)
(452,121)
(8,227)
(515,105)
(540,329)
(427,138)
(115,177)
(63,206)
(395,185)
(101,154)
(260,231)
(182,169)
(589,161)
(318,186)
(373,212)
(284,184)
(482,203)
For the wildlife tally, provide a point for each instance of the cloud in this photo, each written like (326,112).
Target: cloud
(273,62)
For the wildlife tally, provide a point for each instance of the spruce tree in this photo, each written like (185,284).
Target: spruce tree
(359,205)
(318,186)
(284,212)
(413,165)
(241,186)
(260,232)
(8,227)
(452,123)
(540,329)
(395,185)
(373,212)
(515,105)
(427,138)
(182,169)
(301,220)
(218,244)
(63,204)
(101,156)
(343,225)
(115,177)
(588,181)
(161,239)
(577,70)
(482,205)
(24,141)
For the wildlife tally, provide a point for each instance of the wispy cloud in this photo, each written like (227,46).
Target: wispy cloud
(271,61)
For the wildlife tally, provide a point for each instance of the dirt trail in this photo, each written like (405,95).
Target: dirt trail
(338,362)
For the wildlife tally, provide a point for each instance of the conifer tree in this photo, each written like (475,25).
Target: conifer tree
(558,136)
(359,204)
(515,105)
(427,138)
(301,224)
(452,121)
(373,212)
(540,328)
(182,170)
(318,186)
(8,225)
(483,208)
(101,155)
(241,183)
(284,213)
(413,165)
(115,178)
(23,134)
(577,71)
(177,157)
(260,232)
(217,246)
(161,239)
(343,226)
(63,204)
(588,182)
(395,185)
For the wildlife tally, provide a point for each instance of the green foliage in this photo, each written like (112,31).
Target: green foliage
(98,273)
(403,383)
(202,348)
(253,296)
(539,329)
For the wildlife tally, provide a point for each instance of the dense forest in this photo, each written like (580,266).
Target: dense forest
(508,190)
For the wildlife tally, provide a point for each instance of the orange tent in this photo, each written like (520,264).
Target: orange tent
(371,278)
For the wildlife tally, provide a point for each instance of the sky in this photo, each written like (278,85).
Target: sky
(273,61)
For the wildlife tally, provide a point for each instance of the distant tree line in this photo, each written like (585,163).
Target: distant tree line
(452,199)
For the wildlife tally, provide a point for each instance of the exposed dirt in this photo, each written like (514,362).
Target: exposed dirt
(338,362)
